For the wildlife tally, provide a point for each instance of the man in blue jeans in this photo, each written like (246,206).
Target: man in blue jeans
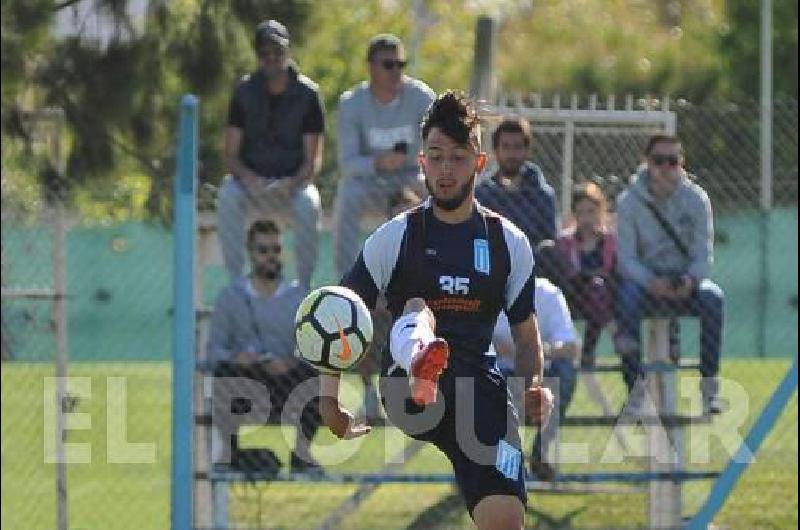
(666,236)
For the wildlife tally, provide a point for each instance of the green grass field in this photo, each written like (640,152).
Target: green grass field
(104,494)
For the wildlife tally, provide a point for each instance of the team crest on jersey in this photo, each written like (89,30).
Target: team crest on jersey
(481,256)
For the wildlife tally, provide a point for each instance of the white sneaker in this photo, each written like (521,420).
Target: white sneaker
(712,403)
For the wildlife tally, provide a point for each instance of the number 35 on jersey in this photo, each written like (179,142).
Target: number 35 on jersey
(454,285)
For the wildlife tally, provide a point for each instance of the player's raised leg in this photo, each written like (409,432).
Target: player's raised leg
(417,350)
(499,512)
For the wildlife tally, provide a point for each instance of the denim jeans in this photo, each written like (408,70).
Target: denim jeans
(561,377)
(302,210)
(634,302)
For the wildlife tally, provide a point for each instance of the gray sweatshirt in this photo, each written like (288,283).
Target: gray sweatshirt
(366,127)
(243,320)
(645,248)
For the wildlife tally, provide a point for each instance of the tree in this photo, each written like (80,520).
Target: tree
(121,97)
(613,47)
(741,48)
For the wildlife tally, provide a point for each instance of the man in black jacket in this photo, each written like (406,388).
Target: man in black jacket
(273,150)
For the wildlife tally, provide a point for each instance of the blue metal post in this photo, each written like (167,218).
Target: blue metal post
(738,464)
(183,323)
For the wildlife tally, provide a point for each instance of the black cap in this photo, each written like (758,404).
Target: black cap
(271,31)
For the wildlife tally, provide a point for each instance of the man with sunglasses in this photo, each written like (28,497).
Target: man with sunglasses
(273,150)
(378,142)
(666,242)
(252,336)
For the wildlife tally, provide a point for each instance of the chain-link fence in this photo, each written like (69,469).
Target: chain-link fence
(575,146)
(118,308)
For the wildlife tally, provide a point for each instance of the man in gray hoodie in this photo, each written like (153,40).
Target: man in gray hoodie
(666,234)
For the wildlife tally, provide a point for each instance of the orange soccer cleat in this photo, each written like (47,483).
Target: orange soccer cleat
(426,368)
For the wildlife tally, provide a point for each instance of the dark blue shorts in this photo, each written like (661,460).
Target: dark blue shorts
(473,422)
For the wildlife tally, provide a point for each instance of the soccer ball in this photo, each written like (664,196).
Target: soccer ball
(333,328)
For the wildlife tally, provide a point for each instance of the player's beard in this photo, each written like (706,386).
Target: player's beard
(511,169)
(452,204)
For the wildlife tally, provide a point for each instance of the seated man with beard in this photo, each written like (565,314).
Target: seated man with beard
(252,336)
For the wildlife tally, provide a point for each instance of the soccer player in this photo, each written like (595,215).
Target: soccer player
(447,268)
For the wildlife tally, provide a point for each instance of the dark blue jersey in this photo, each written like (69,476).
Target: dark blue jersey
(467,273)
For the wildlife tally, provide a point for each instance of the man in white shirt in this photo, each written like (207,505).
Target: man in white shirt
(560,343)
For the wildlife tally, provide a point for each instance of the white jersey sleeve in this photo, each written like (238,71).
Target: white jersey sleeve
(382,249)
(520,285)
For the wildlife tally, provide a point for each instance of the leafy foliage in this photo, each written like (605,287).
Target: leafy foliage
(121,96)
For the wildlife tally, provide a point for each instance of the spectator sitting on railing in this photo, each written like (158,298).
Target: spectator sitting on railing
(273,150)
(560,344)
(665,232)
(518,190)
(589,255)
(252,336)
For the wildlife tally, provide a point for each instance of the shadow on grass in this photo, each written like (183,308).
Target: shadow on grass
(446,513)
(544,521)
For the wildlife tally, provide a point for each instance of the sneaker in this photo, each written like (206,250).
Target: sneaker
(636,405)
(542,470)
(426,369)
(305,465)
(712,403)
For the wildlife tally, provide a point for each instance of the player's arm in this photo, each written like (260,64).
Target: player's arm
(519,295)
(530,356)
(520,307)
(530,362)
(337,418)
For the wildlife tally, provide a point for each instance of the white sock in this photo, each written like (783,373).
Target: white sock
(410,333)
